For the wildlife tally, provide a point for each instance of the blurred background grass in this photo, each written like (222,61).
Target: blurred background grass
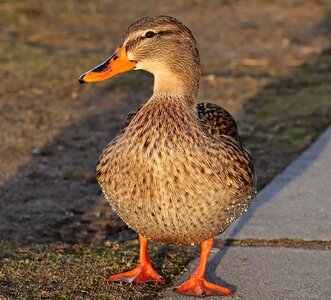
(267,62)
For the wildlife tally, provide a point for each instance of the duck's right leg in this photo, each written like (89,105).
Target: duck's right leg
(144,272)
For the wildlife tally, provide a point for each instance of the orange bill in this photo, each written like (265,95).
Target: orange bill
(116,64)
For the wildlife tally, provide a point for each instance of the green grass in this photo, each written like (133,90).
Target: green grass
(288,115)
(79,272)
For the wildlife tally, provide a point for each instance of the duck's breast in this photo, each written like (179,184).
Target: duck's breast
(172,182)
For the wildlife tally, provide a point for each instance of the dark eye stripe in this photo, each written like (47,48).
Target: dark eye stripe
(133,43)
(164,32)
(150,34)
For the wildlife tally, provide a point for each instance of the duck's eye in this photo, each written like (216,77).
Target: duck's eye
(150,34)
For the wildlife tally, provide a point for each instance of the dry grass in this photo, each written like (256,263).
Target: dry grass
(79,272)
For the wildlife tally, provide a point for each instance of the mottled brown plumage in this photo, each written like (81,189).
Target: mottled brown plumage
(215,120)
(176,172)
(173,176)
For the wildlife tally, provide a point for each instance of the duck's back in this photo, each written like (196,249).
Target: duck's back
(177,177)
(217,121)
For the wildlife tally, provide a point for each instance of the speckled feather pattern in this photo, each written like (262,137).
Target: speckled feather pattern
(177,172)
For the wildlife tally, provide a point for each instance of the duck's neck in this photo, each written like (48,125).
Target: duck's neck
(181,83)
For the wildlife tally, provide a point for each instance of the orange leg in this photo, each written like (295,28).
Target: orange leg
(197,285)
(144,272)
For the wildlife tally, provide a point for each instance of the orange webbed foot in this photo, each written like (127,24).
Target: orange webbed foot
(199,287)
(143,273)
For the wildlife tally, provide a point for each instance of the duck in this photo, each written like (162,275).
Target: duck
(177,172)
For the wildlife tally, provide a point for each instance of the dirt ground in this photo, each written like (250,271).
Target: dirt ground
(267,62)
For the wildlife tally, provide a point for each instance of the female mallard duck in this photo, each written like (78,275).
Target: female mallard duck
(177,172)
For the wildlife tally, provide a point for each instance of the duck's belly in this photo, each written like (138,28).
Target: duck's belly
(174,203)
(176,222)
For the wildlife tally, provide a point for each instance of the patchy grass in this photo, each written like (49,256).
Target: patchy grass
(288,115)
(285,243)
(79,271)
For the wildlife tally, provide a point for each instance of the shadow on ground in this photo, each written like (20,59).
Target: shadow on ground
(55,196)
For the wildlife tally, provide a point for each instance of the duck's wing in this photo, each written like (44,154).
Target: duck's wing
(217,121)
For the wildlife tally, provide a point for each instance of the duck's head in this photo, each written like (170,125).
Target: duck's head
(160,45)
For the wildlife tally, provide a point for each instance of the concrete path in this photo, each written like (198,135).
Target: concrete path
(293,213)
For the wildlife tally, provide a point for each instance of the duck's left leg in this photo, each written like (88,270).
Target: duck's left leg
(197,285)
(144,272)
